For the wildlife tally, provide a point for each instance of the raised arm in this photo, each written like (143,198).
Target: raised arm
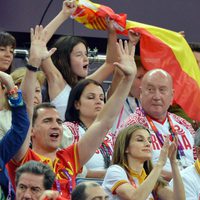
(16,135)
(104,120)
(133,40)
(111,56)
(67,9)
(178,187)
(38,52)
(56,82)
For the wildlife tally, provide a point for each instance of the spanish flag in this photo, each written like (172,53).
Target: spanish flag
(159,48)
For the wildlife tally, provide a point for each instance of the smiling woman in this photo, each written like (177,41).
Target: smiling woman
(7,46)
(132,176)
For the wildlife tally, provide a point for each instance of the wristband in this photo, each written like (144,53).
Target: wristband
(16,101)
(31,68)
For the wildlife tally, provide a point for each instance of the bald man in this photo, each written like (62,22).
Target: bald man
(89,190)
(156,95)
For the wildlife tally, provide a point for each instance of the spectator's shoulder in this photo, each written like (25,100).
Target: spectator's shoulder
(183,122)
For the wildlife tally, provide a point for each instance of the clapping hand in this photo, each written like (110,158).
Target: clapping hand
(164,152)
(172,152)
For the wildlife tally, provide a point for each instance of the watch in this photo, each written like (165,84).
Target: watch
(31,68)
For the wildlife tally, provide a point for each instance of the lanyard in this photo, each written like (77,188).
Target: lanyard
(70,182)
(172,131)
(129,106)
(9,191)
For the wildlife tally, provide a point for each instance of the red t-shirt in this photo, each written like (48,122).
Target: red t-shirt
(67,160)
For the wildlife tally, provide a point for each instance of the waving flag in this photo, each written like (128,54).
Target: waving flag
(159,48)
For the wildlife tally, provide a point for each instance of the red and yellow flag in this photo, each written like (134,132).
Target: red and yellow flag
(159,48)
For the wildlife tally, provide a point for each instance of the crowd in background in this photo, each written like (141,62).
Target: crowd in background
(130,142)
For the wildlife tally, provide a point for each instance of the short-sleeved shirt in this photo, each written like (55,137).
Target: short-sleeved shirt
(66,159)
(116,176)
(191,181)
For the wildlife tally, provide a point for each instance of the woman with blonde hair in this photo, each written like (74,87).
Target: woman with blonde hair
(5,114)
(132,176)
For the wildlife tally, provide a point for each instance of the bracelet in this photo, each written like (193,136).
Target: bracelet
(13,91)
(16,101)
(31,68)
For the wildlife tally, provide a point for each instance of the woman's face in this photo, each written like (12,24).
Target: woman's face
(6,57)
(91,102)
(79,60)
(140,146)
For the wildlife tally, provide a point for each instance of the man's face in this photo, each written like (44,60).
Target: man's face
(156,95)
(30,186)
(96,193)
(135,88)
(47,130)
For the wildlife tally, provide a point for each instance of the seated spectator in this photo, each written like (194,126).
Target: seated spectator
(15,136)
(32,179)
(7,46)
(176,109)
(156,96)
(70,62)
(46,131)
(132,177)
(191,175)
(89,191)
(132,100)
(86,100)
(5,114)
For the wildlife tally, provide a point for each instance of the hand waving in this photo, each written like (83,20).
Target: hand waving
(38,49)
(126,59)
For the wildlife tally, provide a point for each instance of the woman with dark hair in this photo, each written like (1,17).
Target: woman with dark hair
(86,100)
(70,62)
(7,46)
(132,176)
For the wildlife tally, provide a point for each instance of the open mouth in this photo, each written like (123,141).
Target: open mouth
(54,136)
(85,67)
